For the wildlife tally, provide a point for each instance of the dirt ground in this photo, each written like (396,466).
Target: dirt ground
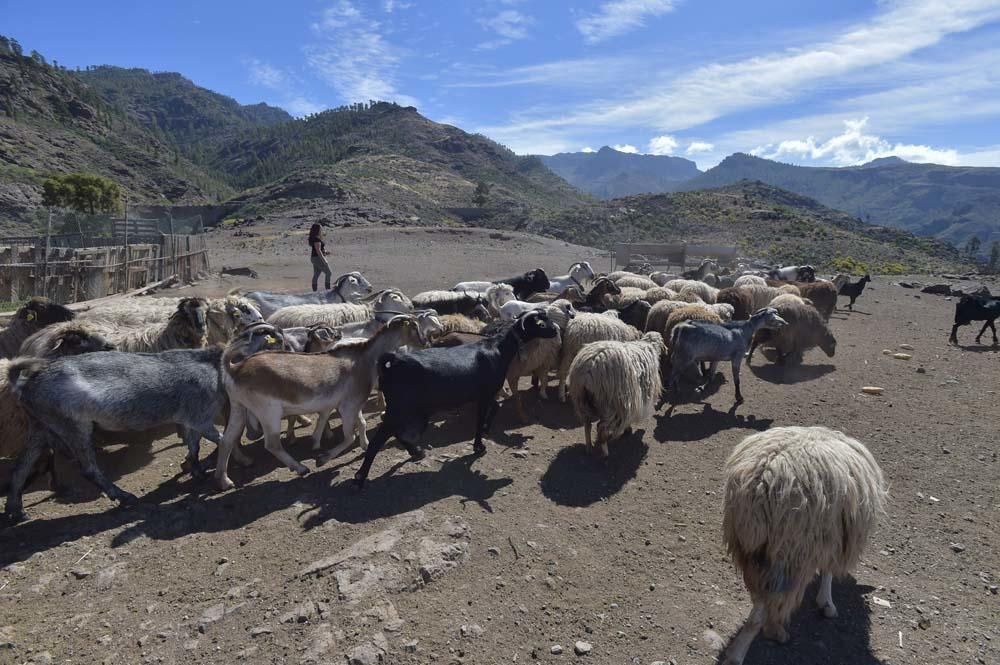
(499,559)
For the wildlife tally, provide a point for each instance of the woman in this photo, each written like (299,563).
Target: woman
(318,248)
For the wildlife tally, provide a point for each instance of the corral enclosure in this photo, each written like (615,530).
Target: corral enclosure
(498,559)
(82,266)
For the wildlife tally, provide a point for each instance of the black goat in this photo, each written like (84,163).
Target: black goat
(976,308)
(417,384)
(853,291)
(531,282)
(635,314)
(473,305)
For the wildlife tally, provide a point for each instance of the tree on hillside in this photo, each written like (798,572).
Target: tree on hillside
(482,195)
(972,246)
(83,192)
(995,256)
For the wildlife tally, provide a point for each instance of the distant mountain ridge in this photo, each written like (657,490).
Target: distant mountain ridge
(609,173)
(951,203)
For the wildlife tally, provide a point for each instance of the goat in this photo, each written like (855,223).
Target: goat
(617,384)
(580,275)
(976,308)
(417,384)
(635,314)
(31,317)
(797,500)
(275,385)
(454,302)
(531,282)
(13,419)
(704,268)
(348,288)
(695,341)
(67,398)
(596,299)
(853,290)
(794,274)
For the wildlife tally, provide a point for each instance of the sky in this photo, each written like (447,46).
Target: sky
(807,82)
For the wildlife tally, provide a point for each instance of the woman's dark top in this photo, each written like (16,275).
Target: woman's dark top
(314,239)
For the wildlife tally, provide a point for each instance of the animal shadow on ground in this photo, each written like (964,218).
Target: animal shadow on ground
(790,373)
(578,478)
(820,641)
(390,494)
(697,426)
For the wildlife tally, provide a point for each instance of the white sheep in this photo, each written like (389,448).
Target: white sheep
(636,281)
(661,277)
(385,305)
(186,328)
(658,293)
(497,295)
(586,328)
(226,316)
(747,280)
(616,384)
(694,287)
(797,500)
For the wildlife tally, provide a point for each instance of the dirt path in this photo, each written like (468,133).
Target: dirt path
(497,559)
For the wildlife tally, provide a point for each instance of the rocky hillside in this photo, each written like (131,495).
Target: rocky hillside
(766,222)
(946,202)
(609,174)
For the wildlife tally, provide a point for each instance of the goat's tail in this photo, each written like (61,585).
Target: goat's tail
(22,370)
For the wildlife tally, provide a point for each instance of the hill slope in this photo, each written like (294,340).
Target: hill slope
(609,173)
(50,122)
(764,221)
(950,203)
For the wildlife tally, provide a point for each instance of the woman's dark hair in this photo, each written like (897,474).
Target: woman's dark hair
(315,230)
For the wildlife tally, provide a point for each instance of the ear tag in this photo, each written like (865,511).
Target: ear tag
(271,339)
(31,316)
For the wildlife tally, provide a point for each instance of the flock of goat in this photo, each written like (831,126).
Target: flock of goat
(797,500)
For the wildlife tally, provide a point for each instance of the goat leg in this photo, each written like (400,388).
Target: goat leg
(93,473)
(192,439)
(736,380)
(740,644)
(22,470)
(954,334)
(994,331)
(382,435)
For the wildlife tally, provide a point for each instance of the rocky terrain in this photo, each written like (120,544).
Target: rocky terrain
(533,553)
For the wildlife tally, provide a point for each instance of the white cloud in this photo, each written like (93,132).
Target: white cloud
(625,147)
(719,89)
(855,146)
(301,106)
(620,16)
(699,146)
(587,149)
(354,57)
(579,73)
(389,6)
(267,75)
(510,25)
(662,145)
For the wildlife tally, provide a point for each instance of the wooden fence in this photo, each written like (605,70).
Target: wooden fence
(72,274)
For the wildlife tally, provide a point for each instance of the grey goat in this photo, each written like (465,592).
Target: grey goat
(121,392)
(348,288)
(697,341)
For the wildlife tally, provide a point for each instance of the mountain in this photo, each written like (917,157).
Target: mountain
(764,221)
(947,202)
(609,173)
(52,122)
(167,103)
(166,140)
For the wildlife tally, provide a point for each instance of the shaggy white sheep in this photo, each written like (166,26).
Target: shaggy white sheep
(636,281)
(747,280)
(797,500)
(616,384)
(226,316)
(693,287)
(586,328)
(661,277)
(658,293)
(628,295)
(806,329)
(385,305)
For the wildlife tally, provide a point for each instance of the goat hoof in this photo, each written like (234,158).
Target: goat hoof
(301,470)
(359,482)
(776,633)
(479,449)
(126,498)
(418,455)
(225,484)
(16,515)
(829,611)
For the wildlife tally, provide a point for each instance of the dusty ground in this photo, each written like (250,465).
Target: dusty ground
(497,559)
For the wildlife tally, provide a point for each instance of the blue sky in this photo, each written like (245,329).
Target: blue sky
(810,82)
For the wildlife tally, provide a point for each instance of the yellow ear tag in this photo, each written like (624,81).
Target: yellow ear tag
(271,339)
(31,316)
